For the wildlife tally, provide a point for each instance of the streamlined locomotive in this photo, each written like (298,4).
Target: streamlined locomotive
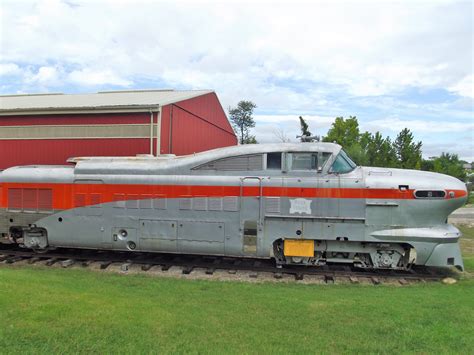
(303,203)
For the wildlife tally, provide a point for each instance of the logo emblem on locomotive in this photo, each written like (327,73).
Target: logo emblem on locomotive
(300,205)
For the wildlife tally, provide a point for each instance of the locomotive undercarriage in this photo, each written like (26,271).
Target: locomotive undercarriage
(30,237)
(359,254)
(431,246)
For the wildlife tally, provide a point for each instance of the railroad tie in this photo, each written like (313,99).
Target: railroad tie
(13,259)
(403,281)
(166,267)
(299,276)
(253,275)
(329,279)
(86,263)
(67,263)
(353,279)
(147,267)
(105,264)
(34,260)
(51,261)
(375,280)
(187,269)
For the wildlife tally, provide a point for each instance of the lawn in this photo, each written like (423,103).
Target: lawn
(68,311)
(52,310)
(467,246)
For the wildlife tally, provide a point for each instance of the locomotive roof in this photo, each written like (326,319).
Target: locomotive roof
(167,164)
(148,164)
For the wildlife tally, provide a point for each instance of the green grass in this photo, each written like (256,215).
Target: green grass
(467,246)
(68,311)
(45,310)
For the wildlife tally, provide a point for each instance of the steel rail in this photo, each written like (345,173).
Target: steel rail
(10,254)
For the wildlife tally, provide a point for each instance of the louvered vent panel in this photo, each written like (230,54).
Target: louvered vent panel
(30,200)
(255,162)
(242,163)
(96,199)
(235,163)
(231,204)
(14,199)
(272,204)
(215,204)
(185,203)
(45,199)
(159,203)
(200,203)
(145,202)
(80,200)
(132,201)
(119,200)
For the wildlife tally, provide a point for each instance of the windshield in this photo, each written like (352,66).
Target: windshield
(343,164)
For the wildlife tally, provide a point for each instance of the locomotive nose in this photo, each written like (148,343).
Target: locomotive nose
(456,190)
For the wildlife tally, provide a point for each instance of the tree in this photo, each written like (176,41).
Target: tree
(281,135)
(408,152)
(242,120)
(250,140)
(449,164)
(380,151)
(344,132)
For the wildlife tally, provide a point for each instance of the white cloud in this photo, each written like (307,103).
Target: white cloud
(465,87)
(308,57)
(95,77)
(365,48)
(9,69)
(422,126)
(45,76)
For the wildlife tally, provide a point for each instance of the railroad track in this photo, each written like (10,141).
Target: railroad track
(254,268)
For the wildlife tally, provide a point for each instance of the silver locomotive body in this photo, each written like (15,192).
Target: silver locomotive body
(303,203)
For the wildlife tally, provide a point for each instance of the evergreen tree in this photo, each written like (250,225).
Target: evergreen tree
(449,164)
(380,151)
(345,132)
(242,120)
(407,151)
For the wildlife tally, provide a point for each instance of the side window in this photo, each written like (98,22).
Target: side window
(343,164)
(274,161)
(325,157)
(239,163)
(308,161)
(304,161)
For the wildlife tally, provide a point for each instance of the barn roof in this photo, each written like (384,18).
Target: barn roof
(133,100)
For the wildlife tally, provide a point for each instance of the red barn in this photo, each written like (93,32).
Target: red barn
(50,128)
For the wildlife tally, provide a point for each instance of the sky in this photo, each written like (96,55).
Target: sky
(392,64)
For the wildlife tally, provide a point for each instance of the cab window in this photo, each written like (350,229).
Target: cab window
(274,161)
(308,161)
(342,164)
